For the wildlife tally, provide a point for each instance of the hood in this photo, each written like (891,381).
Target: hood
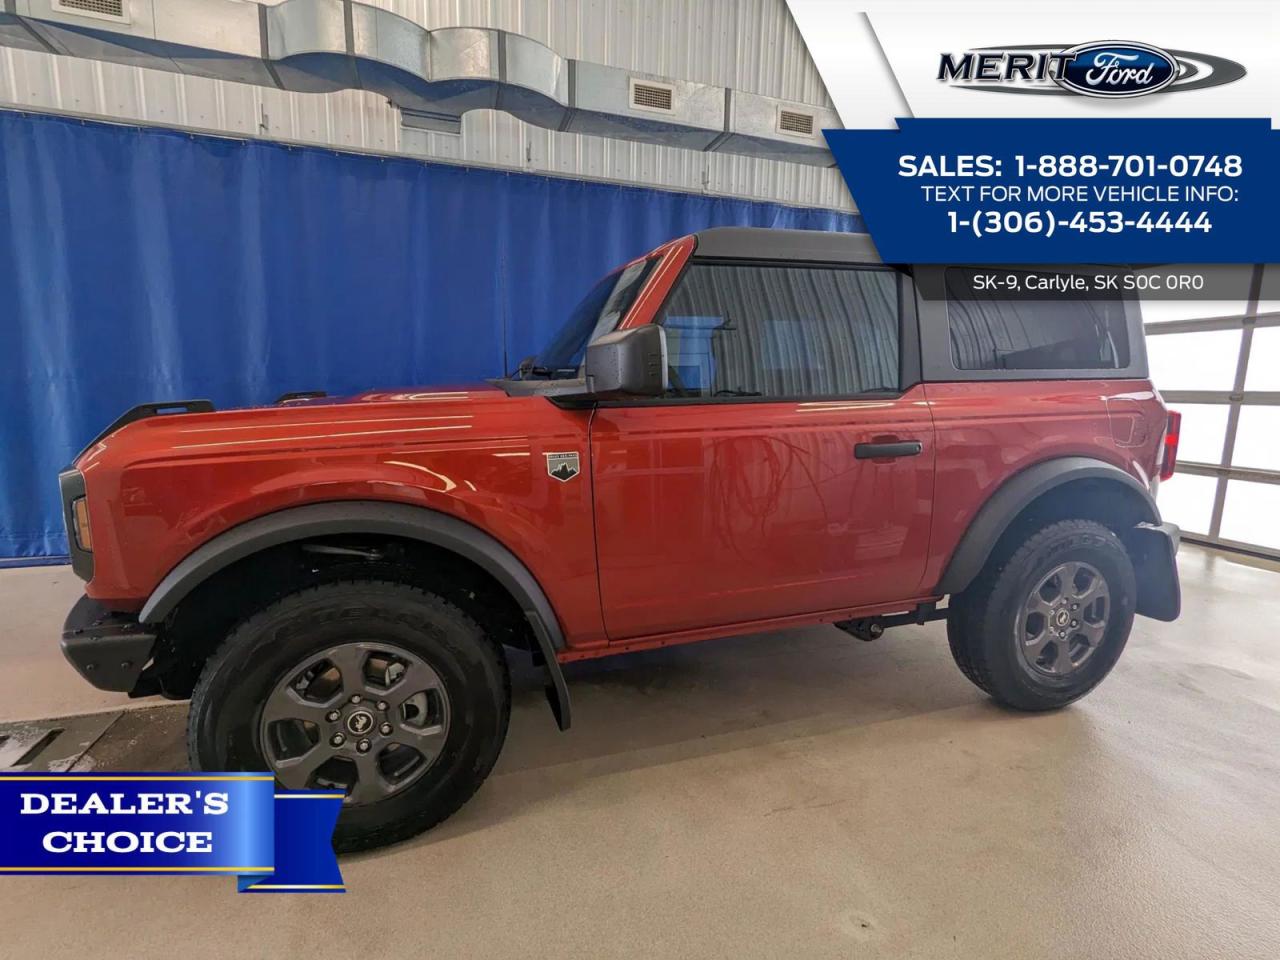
(433,394)
(406,416)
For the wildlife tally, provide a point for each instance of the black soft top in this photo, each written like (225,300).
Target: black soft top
(763,243)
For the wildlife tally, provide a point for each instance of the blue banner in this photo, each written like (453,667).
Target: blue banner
(241,269)
(231,823)
(1066,190)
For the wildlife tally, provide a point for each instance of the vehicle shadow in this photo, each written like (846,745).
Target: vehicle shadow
(654,708)
(663,706)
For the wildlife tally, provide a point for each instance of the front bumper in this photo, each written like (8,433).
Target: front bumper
(108,649)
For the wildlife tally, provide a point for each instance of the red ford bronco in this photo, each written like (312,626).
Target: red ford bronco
(740,431)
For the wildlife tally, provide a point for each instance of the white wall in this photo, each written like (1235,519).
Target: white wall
(751,45)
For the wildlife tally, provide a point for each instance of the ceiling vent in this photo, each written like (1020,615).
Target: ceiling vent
(648,95)
(795,121)
(434,77)
(105,9)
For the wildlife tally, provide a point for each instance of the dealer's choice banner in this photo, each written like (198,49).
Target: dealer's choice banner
(1143,136)
(207,823)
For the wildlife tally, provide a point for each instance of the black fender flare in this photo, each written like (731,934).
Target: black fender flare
(1158,591)
(364,517)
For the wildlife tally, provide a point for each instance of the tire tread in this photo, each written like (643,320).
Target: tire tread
(368,594)
(976,615)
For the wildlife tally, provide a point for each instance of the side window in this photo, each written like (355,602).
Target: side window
(777,331)
(990,333)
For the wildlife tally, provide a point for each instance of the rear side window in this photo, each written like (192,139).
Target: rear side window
(991,333)
(776,331)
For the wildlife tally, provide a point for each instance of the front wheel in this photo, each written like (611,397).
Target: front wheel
(1044,623)
(381,690)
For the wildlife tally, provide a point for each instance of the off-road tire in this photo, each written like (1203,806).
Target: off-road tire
(984,619)
(223,726)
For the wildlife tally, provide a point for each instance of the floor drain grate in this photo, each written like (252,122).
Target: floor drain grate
(50,745)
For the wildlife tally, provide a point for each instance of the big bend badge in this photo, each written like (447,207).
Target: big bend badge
(563,466)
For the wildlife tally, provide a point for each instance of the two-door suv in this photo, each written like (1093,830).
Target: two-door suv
(742,430)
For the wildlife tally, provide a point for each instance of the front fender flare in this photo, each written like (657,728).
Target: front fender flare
(366,517)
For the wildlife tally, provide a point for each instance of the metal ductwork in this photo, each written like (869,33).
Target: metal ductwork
(432,76)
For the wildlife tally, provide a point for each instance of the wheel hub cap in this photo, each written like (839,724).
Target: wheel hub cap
(1064,619)
(365,717)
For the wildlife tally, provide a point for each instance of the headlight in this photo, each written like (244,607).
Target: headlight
(75,517)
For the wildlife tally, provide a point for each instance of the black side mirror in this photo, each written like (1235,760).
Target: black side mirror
(628,363)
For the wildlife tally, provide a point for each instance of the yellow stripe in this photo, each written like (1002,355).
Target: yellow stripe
(298,886)
(73,779)
(311,796)
(137,869)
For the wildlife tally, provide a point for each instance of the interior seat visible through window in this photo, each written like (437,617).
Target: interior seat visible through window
(747,330)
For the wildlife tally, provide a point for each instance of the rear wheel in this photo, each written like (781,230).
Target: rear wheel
(380,690)
(1046,622)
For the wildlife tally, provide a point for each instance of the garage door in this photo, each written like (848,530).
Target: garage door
(1218,364)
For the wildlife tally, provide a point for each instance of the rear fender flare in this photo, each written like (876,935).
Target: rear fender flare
(1015,495)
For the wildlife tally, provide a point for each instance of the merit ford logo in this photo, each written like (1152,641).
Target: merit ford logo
(1117,70)
(1107,69)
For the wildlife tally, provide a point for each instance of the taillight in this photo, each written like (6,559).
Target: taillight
(1169,454)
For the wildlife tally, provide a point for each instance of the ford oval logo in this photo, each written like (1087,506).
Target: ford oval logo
(1115,69)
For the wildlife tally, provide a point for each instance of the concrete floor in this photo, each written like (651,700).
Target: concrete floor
(788,795)
(35,681)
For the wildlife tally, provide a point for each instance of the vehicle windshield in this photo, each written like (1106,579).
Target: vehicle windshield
(595,315)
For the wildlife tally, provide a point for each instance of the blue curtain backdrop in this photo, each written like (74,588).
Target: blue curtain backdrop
(141,264)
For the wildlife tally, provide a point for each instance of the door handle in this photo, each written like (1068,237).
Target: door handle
(886,451)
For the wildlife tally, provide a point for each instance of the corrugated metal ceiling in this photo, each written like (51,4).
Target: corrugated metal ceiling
(751,45)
